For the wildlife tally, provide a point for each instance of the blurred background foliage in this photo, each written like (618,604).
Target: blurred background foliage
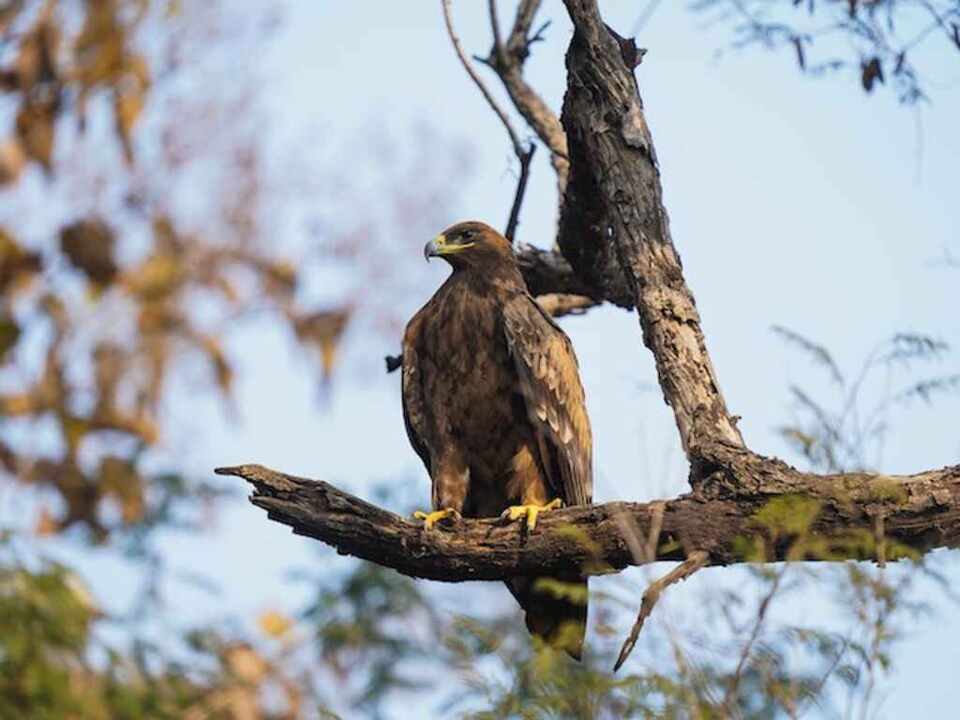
(118,283)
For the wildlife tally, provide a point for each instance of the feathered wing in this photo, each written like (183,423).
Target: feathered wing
(549,380)
(414,407)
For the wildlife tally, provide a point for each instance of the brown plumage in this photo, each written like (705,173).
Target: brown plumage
(494,407)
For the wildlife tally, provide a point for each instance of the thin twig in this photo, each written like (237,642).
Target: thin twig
(455,41)
(506,60)
(495,24)
(525,159)
(688,567)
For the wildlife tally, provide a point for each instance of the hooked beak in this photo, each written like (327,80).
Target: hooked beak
(440,246)
(433,248)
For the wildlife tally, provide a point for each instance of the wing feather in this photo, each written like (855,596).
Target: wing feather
(414,406)
(549,381)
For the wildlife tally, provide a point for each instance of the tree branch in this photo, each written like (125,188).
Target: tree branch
(506,60)
(688,567)
(560,304)
(518,148)
(547,271)
(514,219)
(614,228)
(720,518)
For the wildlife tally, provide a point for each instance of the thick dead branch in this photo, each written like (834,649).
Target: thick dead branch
(688,567)
(720,517)
(614,228)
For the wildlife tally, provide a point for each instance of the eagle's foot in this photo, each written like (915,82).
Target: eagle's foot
(432,518)
(530,512)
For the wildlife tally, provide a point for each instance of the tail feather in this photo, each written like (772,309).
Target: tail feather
(556,609)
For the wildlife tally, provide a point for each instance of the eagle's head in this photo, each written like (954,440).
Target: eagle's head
(469,245)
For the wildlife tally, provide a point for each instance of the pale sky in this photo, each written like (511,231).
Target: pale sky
(793,201)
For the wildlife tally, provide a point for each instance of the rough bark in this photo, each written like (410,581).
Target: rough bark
(720,517)
(547,271)
(614,228)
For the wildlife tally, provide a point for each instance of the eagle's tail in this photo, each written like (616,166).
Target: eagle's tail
(556,609)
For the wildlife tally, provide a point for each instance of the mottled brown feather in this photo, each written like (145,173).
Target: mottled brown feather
(493,405)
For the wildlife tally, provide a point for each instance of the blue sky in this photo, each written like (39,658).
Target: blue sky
(792,201)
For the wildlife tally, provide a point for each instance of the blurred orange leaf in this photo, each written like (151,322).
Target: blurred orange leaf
(275,624)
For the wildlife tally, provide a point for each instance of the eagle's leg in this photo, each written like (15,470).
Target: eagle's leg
(530,511)
(450,482)
(432,518)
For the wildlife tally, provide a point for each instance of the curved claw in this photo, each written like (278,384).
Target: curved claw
(530,512)
(432,518)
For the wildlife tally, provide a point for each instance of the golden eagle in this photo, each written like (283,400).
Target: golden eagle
(494,407)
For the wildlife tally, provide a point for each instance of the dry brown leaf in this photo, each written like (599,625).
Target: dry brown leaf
(12,160)
(324,330)
(17,266)
(35,129)
(46,524)
(245,663)
(88,244)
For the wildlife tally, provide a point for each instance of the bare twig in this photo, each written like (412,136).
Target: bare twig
(688,567)
(514,218)
(468,66)
(506,60)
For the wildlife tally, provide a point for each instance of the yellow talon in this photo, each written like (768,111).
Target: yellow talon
(530,512)
(431,519)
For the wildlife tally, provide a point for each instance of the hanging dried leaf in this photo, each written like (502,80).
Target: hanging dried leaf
(119,479)
(109,364)
(127,107)
(323,330)
(129,97)
(279,278)
(9,335)
(156,278)
(36,59)
(17,266)
(46,524)
(8,458)
(35,129)
(12,160)
(218,359)
(245,663)
(88,244)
